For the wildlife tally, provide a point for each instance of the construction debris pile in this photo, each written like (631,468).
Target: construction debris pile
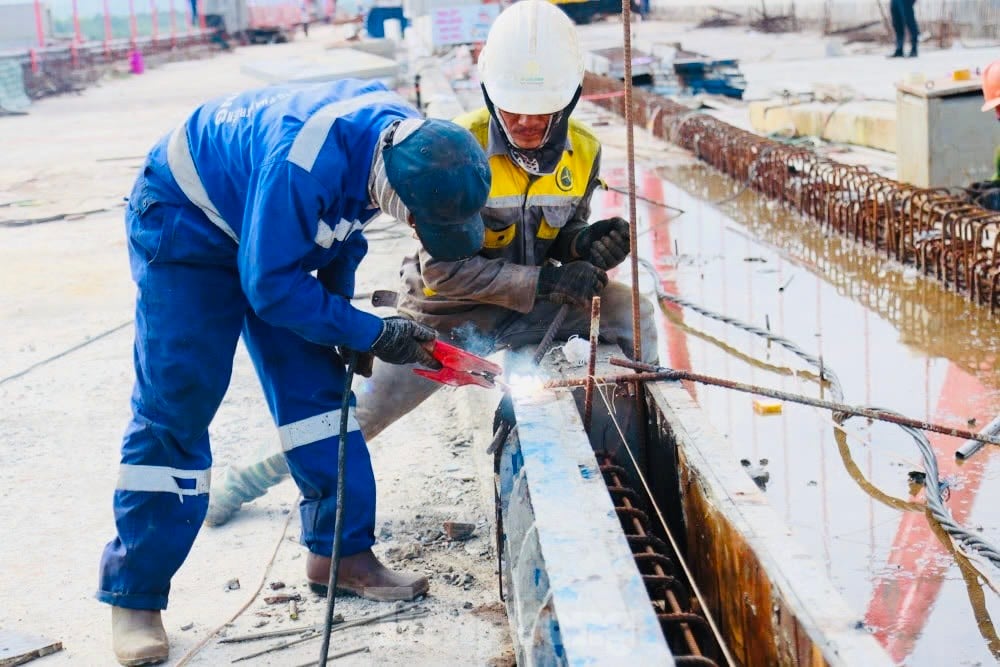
(937,230)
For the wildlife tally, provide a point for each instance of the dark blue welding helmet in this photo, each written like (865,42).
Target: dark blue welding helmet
(442,176)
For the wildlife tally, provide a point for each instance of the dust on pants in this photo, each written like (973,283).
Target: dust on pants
(393,391)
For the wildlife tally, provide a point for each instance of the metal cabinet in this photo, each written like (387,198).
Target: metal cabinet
(942,137)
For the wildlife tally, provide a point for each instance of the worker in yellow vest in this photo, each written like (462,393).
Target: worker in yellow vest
(540,250)
(987,193)
(991,95)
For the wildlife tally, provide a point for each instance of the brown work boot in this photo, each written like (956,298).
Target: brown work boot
(138,637)
(362,574)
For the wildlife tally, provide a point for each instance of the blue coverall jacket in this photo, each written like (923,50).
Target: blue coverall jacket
(247,219)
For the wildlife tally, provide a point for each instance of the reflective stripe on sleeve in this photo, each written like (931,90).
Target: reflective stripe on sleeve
(311,137)
(163,479)
(313,429)
(325,236)
(184,172)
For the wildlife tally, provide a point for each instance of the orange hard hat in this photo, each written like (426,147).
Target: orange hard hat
(991,86)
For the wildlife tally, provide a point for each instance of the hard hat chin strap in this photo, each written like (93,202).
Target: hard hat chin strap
(545,158)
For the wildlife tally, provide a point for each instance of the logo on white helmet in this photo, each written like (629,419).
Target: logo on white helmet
(531,75)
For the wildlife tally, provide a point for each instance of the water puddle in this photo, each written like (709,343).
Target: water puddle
(895,339)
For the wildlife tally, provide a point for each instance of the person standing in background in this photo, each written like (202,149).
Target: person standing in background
(904,19)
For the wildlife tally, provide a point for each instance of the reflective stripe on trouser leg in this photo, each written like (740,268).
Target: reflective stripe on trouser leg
(303,383)
(188,318)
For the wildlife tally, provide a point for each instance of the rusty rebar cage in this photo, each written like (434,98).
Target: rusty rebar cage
(936,230)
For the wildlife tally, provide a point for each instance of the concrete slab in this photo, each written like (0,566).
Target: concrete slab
(575,595)
(386,48)
(870,124)
(18,649)
(333,65)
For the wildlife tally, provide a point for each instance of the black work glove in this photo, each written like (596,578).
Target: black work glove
(363,361)
(575,283)
(605,243)
(403,341)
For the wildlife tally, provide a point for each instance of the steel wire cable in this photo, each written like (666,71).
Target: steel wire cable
(932,489)
(935,501)
(748,359)
(826,374)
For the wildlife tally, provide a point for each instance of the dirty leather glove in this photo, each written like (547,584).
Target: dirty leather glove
(575,283)
(605,243)
(402,342)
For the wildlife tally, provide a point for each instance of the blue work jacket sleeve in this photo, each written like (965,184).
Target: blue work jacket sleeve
(338,277)
(284,207)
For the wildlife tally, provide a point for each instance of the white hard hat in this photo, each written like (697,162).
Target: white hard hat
(531,62)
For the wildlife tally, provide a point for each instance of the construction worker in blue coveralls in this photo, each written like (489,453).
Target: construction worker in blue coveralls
(231,216)
(545,168)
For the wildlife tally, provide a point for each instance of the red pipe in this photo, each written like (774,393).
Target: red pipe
(133,26)
(153,18)
(173,25)
(39,24)
(74,52)
(76,25)
(107,30)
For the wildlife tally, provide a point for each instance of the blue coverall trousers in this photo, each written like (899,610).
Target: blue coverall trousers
(190,313)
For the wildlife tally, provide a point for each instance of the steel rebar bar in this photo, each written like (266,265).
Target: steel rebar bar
(595,327)
(550,334)
(651,373)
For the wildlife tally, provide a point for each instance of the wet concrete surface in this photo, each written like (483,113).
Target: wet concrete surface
(895,340)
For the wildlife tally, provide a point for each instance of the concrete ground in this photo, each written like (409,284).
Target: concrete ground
(65,378)
(798,61)
(779,68)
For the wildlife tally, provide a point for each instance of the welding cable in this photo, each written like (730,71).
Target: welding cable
(73,215)
(933,488)
(977,600)
(970,574)
(936,507)
(338,526)
(841,103)
(385,227)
